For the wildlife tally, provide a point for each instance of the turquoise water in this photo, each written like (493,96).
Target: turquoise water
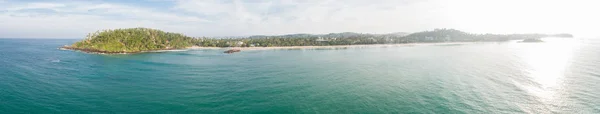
(558,76)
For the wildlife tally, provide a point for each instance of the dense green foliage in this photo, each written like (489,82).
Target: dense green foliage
(144,39)
(348,38)
(133,40)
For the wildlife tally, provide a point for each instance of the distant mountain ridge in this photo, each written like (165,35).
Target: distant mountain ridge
(341,35)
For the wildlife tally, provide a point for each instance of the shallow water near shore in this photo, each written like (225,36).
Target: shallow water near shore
(556,76)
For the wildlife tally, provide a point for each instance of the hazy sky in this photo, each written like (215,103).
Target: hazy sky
(76,18)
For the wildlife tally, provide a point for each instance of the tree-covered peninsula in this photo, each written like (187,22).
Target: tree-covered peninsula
(132,40)
(135,40)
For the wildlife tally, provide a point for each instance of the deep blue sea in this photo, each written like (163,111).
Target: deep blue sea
(557,76)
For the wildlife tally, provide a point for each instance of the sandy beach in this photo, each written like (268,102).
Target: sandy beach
(332,47)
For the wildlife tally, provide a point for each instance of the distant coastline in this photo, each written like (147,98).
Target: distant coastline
(275,48)
(330,47)
(139,40)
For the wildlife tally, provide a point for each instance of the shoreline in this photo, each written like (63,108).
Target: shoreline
(269,48)
(84,50)
(94,51)
(331,46)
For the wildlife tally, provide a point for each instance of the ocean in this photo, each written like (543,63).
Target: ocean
(557,76)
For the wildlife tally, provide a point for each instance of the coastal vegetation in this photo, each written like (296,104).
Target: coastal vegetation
(132,40)
(349,38)
(135,40)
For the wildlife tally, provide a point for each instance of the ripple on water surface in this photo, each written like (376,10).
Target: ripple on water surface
(558,76)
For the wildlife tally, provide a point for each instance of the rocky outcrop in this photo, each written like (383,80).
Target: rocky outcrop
(532,40)
(232,51)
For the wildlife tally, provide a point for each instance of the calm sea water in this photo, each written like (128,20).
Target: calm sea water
(558,76)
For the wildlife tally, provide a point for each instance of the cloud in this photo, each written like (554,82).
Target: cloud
(77,19)
(251,17)
(37,6)
(310,16)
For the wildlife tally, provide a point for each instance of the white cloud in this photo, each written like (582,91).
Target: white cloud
(77,19)
(251,17)
(208,7)
(36,6)
(316,16)
(514,16)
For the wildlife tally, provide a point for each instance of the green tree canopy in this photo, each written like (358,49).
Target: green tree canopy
(133,40)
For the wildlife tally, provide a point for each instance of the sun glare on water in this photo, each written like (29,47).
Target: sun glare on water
(546,65)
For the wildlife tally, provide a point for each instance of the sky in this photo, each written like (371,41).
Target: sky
(198,18)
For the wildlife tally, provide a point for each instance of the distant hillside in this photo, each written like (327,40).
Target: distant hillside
(452,35)
(350,38)
(397,34)
(332,35)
